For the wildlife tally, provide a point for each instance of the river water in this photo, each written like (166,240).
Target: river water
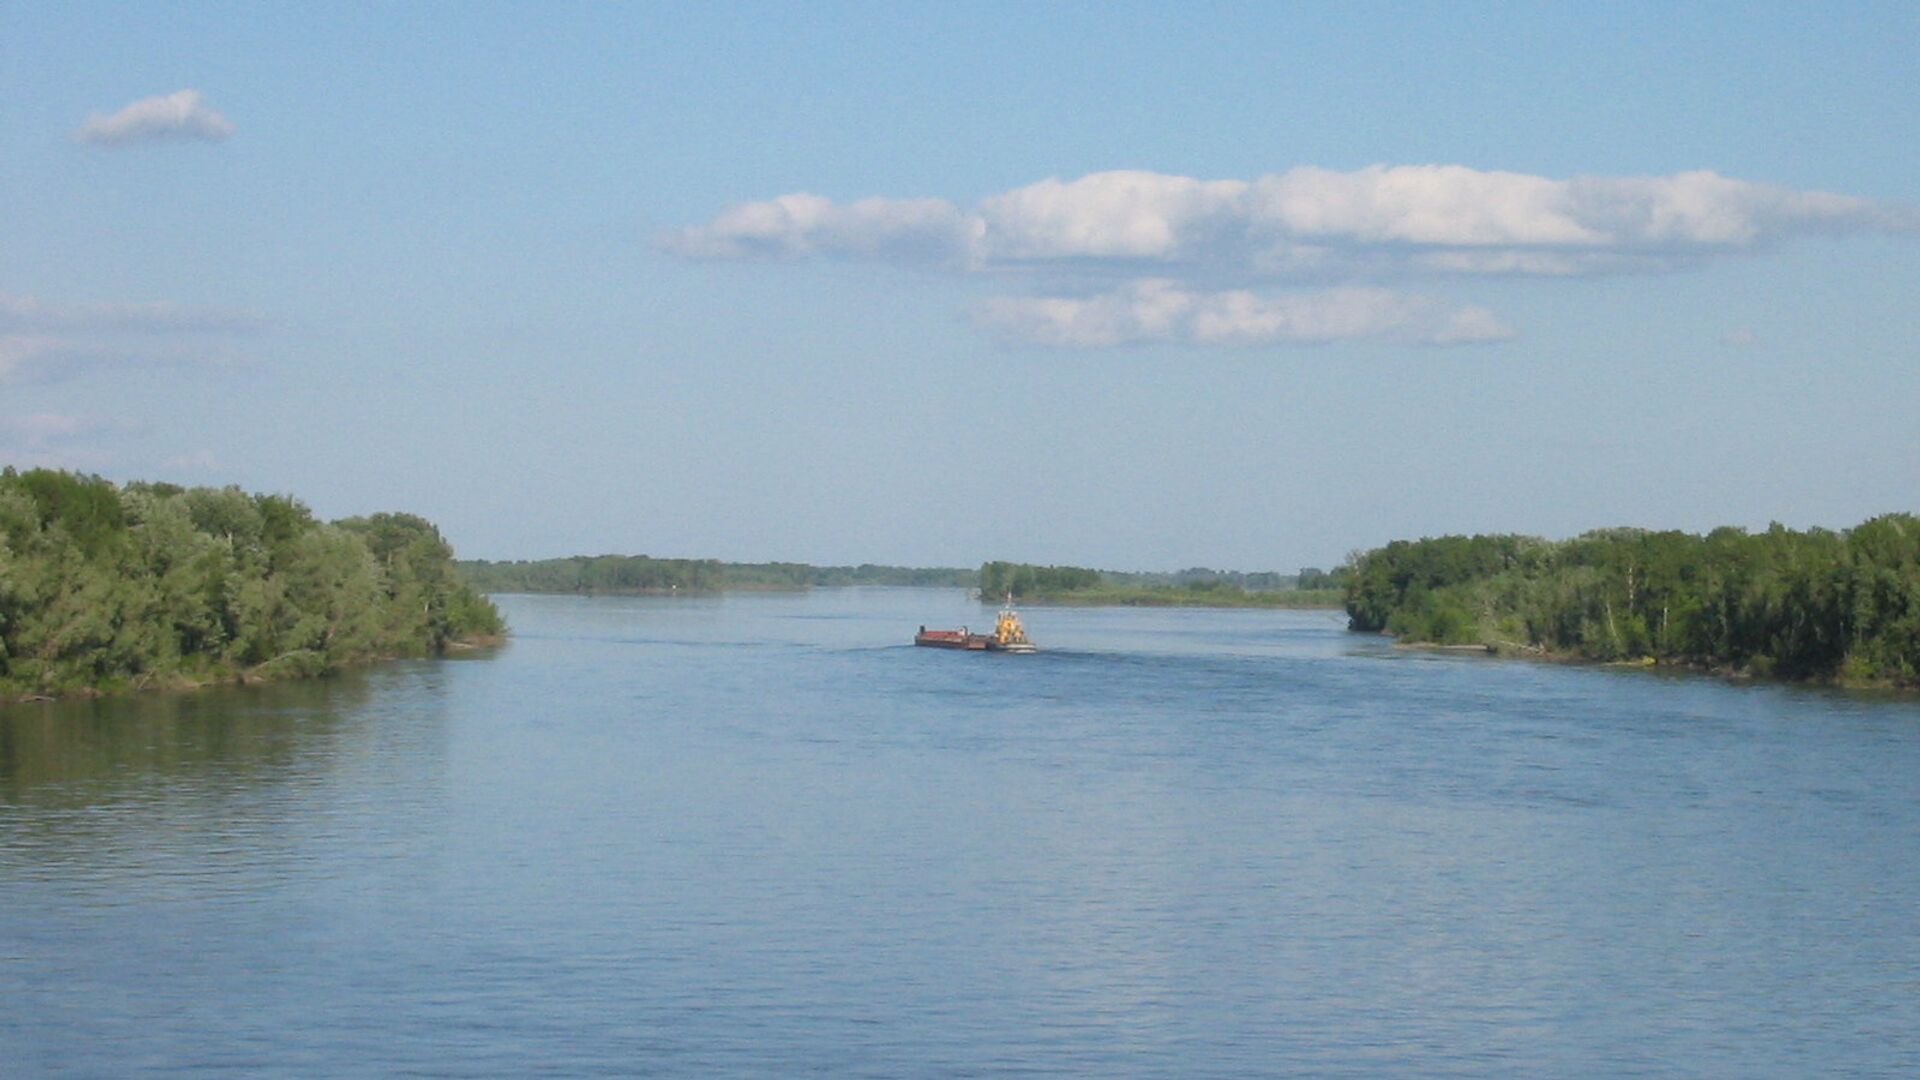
(760,835)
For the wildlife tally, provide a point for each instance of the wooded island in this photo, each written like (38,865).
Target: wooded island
(106,588)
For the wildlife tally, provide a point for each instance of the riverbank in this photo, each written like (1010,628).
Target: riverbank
(1513,650)
(1098,596)
(116,589)
(280,669)
(1838,608)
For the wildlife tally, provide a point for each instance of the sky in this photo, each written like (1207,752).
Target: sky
(1132,286)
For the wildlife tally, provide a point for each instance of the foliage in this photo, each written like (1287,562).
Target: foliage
(870,574)
(1816,604)
(1197,587)
(591,574)
(1025,580)
(602,574)
(104,587)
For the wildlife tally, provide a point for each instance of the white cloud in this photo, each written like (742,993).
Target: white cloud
(1307,222)
(1124,215)
(1159,310)
(918,230)
(1448,205)
(179,115)
(1189,239)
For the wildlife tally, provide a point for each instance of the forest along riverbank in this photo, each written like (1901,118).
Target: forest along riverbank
(111,589)
(1824,606)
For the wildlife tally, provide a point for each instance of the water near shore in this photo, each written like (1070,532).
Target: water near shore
(758,834)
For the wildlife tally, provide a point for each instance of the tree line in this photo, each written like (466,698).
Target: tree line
(1817,604)
(106,587)
(644,574)
(1196,587)
(634,574)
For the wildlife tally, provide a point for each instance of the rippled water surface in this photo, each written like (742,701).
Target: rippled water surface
(759,835)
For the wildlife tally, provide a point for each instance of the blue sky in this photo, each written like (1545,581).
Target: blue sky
(1137,286)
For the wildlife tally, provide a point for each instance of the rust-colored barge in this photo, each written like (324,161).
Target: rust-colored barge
(950,639)
(1008,636)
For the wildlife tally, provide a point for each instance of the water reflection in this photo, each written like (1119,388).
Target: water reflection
(196,784)
(71,753)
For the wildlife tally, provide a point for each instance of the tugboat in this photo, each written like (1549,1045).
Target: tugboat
(1008,635)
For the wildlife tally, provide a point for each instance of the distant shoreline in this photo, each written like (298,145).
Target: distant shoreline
(644,575)
(1276,600)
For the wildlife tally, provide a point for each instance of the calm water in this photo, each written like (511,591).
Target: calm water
(757,835)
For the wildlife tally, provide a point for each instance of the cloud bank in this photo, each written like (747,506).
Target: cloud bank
(1158,310)
(1424,219)
(1177,237)
(179,115)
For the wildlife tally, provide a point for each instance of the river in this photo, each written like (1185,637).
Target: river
(761,835)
